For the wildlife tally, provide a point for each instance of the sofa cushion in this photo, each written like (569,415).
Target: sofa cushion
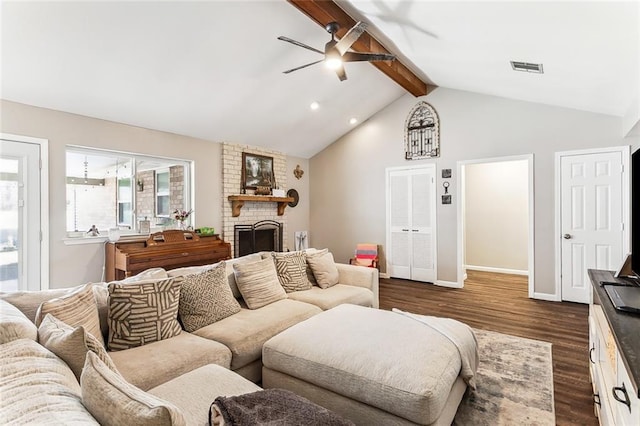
(37,387)
(14,324)
(194,392)
(334,296)
(71,344)
(324,269)
(258,283)
(153,364)
(113,401)
(142,313)
(245,332)
(78,308)
(292,270)
(206,298)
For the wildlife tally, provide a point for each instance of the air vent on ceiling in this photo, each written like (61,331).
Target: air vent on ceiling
(526,67)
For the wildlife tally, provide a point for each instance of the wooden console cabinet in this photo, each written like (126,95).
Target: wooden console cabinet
(614,357)
(130,257)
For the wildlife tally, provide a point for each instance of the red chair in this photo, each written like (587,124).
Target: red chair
(366,255)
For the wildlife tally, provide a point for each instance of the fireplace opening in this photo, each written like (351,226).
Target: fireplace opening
(265,235)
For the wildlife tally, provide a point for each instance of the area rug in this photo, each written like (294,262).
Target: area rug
(514,383)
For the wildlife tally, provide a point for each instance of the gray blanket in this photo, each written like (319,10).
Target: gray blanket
(271,407)
(460,335)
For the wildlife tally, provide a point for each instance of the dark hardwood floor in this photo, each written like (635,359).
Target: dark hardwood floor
(499,302)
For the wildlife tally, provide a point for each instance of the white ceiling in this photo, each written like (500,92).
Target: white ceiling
(213,70)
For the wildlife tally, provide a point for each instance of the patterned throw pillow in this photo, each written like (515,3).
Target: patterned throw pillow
(258,283)
(71,344)
(113,401)
(324,269)
(142,313)
(292,270)
(74,309)
(206,298)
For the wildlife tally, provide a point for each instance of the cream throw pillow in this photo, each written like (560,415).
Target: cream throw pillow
(114,401)
(206,298)
(292,270)
(75,309)
(142,313)
(324,269)
(258,283)
(71,344)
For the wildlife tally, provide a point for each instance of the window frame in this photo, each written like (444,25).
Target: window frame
(188,195)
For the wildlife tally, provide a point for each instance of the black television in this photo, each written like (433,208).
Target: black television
(635,212)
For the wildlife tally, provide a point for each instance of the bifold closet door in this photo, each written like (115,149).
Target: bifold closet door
(411,223)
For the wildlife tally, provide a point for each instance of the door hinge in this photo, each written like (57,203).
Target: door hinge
(40,162)
(40,236)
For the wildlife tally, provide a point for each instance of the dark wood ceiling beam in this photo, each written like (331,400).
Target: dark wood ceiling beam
(325,11)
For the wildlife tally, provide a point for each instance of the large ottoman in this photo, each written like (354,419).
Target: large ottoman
(370,366)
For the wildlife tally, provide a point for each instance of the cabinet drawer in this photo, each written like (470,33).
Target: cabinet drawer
(603,410)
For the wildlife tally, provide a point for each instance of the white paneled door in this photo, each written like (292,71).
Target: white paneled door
(20,210)
(411,223)
(591,219)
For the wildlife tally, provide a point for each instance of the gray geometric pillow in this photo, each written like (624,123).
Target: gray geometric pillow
(142,313)
(206,298)
(292,271)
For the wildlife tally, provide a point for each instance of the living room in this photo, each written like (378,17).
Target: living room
(342,190)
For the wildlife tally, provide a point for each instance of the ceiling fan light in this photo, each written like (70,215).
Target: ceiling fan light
(333,63)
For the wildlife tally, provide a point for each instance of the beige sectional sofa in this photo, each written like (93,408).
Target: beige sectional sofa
(190,369)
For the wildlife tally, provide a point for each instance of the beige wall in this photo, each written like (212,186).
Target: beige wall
(72,265)
(348,186)
(298,216)
(497,215)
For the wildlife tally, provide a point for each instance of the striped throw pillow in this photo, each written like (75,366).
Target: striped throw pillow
(258,283)
(292,271)
(142,313)
(74,309)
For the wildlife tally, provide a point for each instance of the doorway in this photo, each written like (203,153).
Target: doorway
(24,245)
(592,213)
(495,217)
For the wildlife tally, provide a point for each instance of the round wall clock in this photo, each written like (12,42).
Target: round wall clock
(293,194)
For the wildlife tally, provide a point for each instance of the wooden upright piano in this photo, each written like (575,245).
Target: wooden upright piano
(167,249)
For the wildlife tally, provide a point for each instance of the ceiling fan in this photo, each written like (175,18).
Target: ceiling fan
(336,52)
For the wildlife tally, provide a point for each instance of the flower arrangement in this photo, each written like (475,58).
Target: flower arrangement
(181,216)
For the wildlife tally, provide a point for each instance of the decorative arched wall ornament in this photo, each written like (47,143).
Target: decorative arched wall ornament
(422,133)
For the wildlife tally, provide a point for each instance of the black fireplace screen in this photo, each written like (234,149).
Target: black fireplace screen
(265,235)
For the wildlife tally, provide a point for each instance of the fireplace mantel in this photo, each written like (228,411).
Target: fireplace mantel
(237,202)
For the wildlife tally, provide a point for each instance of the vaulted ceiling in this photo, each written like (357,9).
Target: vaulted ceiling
(213,70)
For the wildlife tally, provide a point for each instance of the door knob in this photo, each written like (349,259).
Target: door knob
(567,236)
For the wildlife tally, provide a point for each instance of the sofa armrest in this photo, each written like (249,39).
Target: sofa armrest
(360,276)
(14,324)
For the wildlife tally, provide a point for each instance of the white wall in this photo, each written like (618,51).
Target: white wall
(497,215)
(347,190)
(72,265)
(298,216)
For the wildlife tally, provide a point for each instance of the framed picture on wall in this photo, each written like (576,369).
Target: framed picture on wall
(257,170)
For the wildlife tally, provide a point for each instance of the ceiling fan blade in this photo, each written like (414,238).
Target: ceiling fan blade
(354,57)
(301,66)
(351,36)
(297,43)
(341,73)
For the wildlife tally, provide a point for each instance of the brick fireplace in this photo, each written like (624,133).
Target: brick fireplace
(251,212)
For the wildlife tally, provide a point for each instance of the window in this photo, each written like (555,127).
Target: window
(162,193)
(108,189)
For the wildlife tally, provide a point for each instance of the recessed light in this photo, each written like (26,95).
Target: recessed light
(353,120)
(314,106)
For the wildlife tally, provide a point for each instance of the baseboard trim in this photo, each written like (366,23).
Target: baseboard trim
(450,284)
(496,270)
(383,275)
(546,296)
